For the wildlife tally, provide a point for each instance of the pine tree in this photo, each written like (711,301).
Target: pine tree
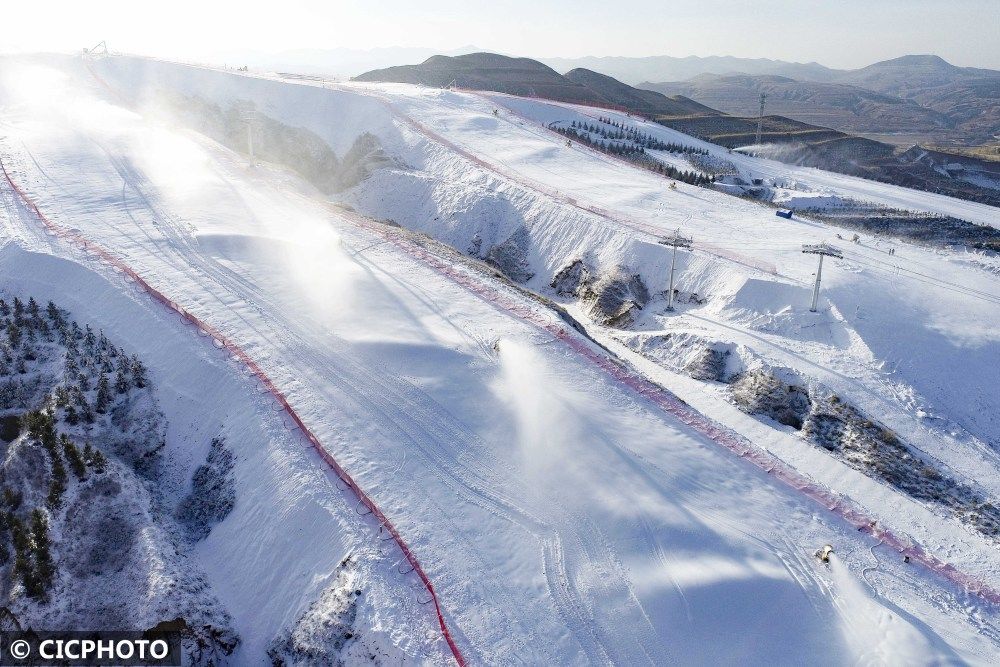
(44,567)
(22,551)
(11,498)
(122,384)
(14,334)
(74,457)
(97,460)
(56,487)
(103,394)
(138,373)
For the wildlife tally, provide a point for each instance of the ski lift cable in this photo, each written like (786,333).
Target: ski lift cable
(950,287)
(925,278)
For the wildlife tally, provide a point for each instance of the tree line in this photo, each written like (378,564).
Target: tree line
(636,154)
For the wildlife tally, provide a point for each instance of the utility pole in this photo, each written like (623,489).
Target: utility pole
(760,117)
(677,241)
(822,250)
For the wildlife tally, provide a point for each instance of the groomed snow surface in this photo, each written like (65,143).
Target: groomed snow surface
(562,518)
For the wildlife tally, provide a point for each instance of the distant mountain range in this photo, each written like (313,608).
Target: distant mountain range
(527,77)
(905,100)
(668,68)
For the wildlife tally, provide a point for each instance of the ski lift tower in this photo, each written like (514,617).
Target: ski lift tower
(676,241)
(823,250)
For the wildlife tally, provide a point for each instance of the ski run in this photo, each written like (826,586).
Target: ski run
(571,490)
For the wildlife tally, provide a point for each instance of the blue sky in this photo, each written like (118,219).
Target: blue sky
(843,33)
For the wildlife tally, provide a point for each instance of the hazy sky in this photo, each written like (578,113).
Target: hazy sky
(840,33)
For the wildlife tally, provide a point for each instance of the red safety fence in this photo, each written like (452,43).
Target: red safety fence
(708,248)
(554,193)
(221,340)
(672,404)
(595,105)
(666,400)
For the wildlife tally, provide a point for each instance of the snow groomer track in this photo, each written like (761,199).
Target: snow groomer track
(238,354)
(548,322)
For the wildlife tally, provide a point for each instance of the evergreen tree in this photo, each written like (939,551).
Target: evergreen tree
(74,457)
(138,373)
(11,498)
(57,486)
(122,384)
(103,394)
(94,458)
(22,555)
(14,334)
(44,567)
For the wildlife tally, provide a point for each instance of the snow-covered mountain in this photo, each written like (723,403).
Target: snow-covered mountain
(467,311)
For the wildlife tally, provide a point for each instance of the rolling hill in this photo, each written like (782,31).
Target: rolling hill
(670,68)
(488,71)
(907,100)
(841,106)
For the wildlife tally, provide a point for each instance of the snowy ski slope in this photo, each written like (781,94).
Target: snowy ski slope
(562,517)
